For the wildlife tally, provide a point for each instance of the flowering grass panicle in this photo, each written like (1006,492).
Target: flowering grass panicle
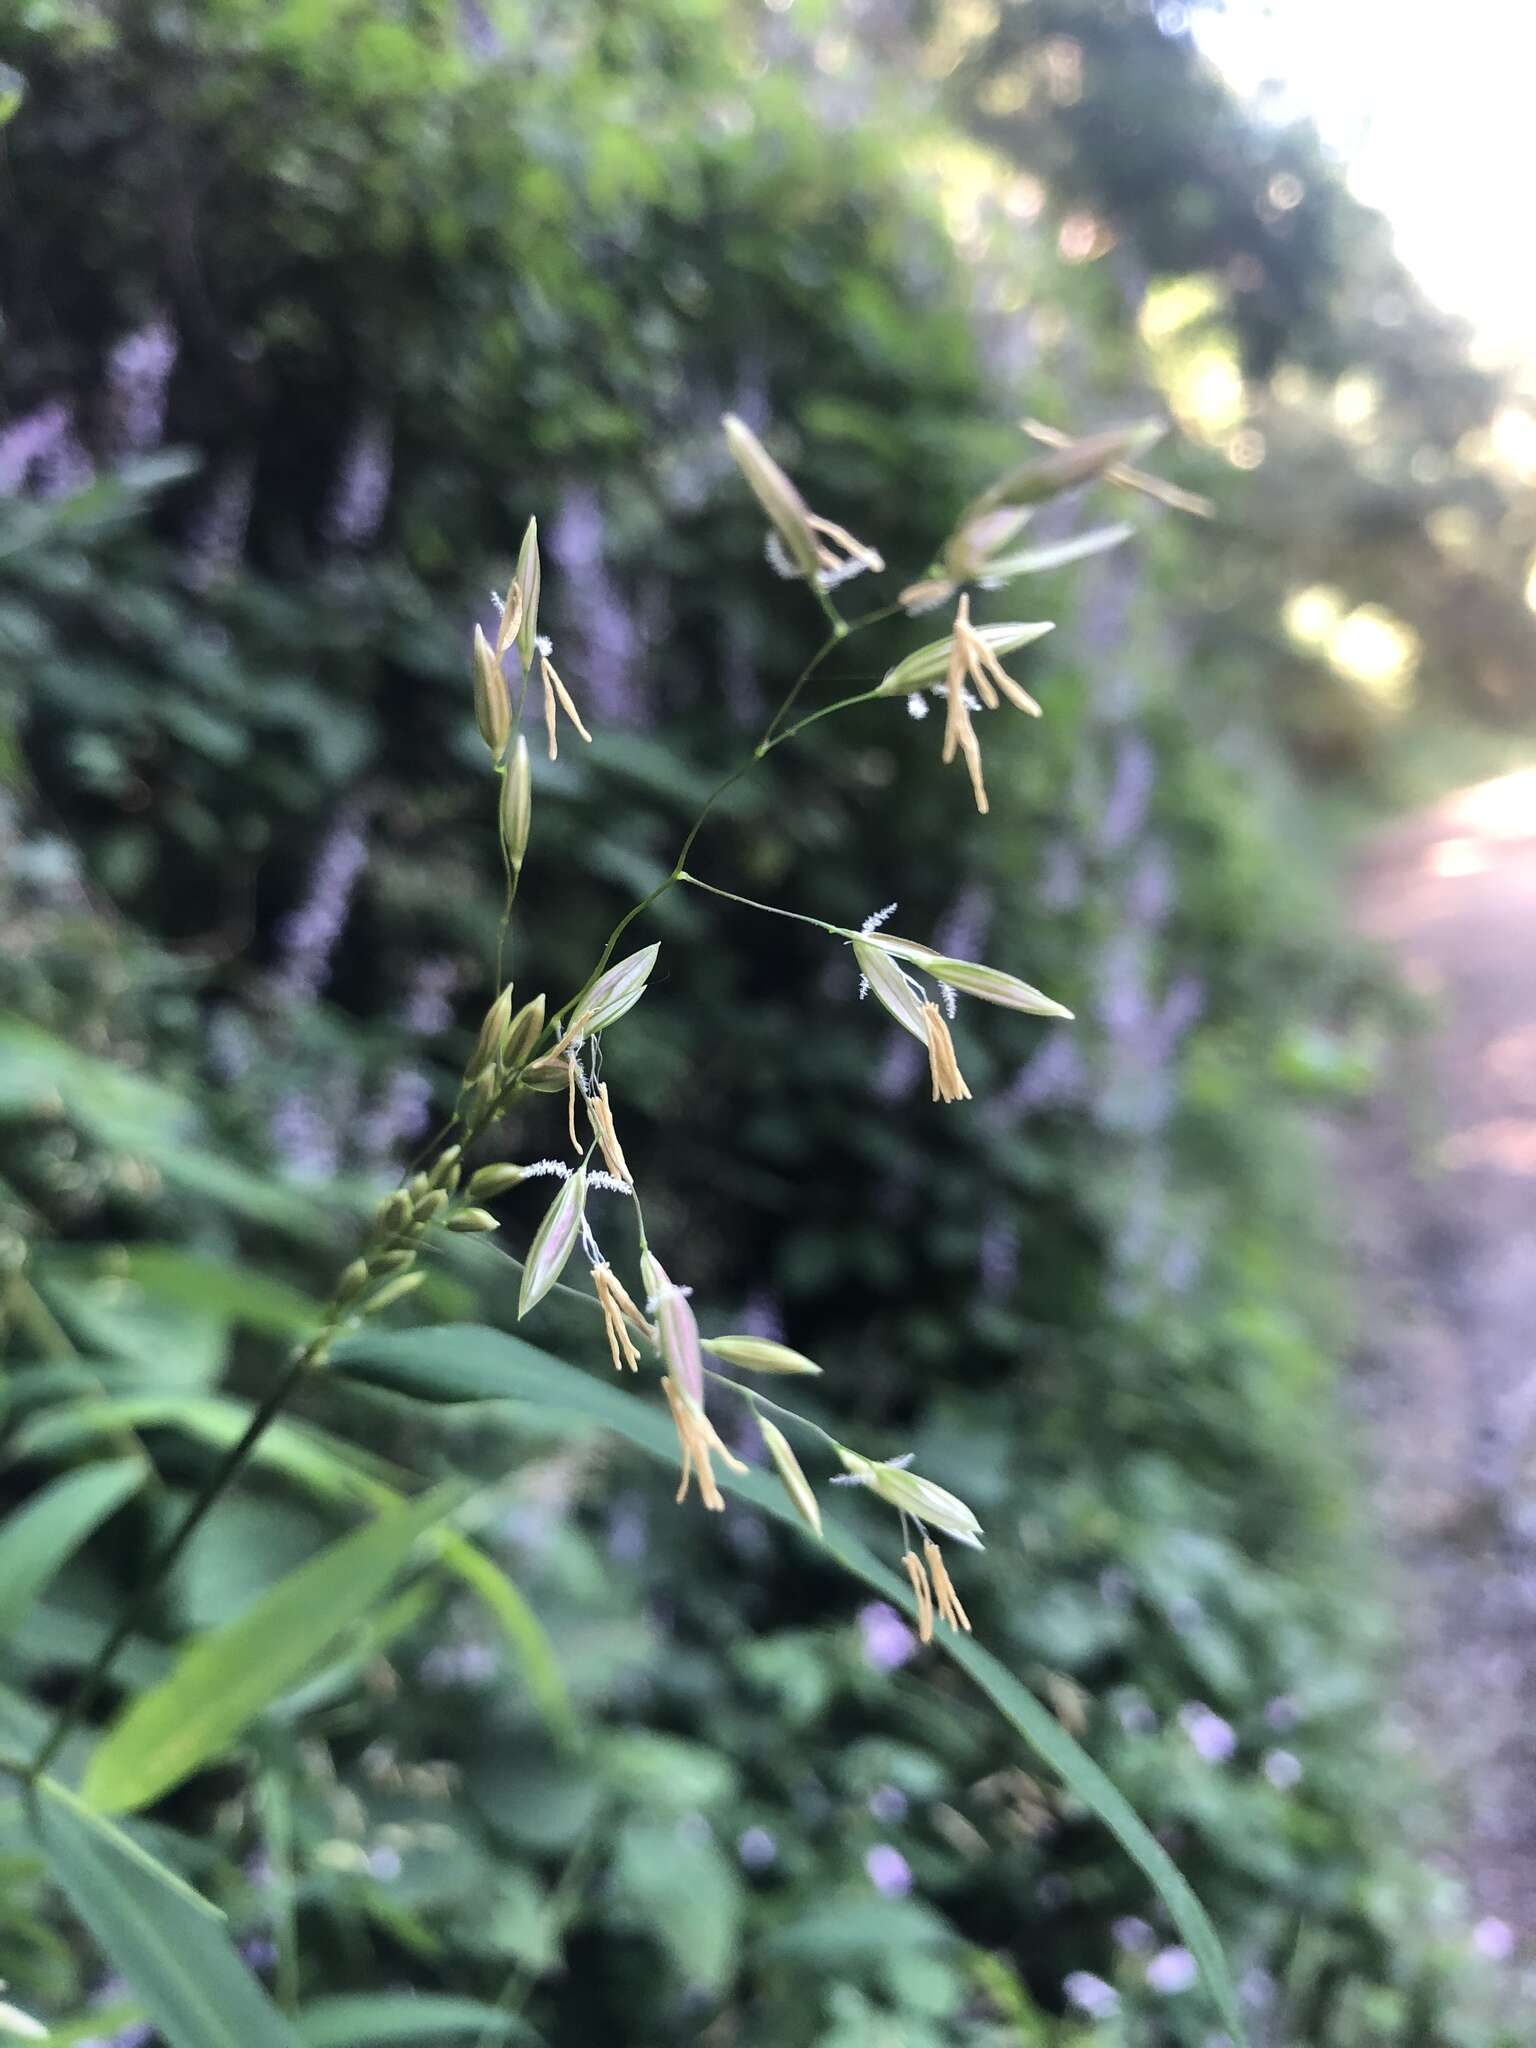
(520,1055)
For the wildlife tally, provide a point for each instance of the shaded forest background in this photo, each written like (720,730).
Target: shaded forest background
(306,309)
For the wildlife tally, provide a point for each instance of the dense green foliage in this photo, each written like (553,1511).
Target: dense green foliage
(641,1774)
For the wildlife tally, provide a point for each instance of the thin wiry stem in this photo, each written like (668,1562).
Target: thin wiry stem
(771,738)
(772,909)
(80,1700)
(826,711)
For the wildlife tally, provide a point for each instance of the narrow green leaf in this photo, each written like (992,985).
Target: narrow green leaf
(52,1527)
(224,1679)
(298,1450)
(333,1471)
(170,1273)
(474,1364)
(373,2022)
(168,1943)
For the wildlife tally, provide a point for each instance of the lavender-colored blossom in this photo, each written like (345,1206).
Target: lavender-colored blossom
(1136,1716)
(1149,887)
(384,1863)
(1091,1995)
(888,1804)
(1212,1738)
(1182,1262)
(1105,586)
(1053,1076)
(738,676)
(361,496)
(1060,887)
(757,1849)
(888,1642)
(112,1992)
(1132,1934)
(138,377)
(64,467)
(1282,1713)
(1117,1589)
(1257,1988)
(1123,1004)
(1172,1970)
(26,442)
(428,1003)
(399,1117)
(308,935)
(465,1663)
(762,1316)
(481,36)
(605,631)
(889,1872)
(404,1107)
(216,541)
(1282,1767)
(232,1045)
(306,1142)
(962,931)
(1494,1939)
(997,1256)
(1132,780)
(1180,1011)
(628,1534)
(901,1066)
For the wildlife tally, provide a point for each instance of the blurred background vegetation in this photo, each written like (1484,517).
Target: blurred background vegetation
(307,306)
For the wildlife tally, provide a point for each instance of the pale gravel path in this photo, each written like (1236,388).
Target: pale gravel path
(1442,1172)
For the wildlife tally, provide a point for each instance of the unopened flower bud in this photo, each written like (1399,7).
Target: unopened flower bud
(786,509)
(790,1471)
(493,1032)
(759,1354)
(493,706)
(523,1033)
(353,1279)
(517,805)
(617,990)
(528,579)
(486,1182)
(467,1220)
(546,1077)
(393,1290)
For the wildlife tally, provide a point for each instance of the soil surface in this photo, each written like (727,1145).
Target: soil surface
(1442,1170)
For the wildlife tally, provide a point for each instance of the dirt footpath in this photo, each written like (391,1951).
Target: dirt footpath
(1443,1171)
